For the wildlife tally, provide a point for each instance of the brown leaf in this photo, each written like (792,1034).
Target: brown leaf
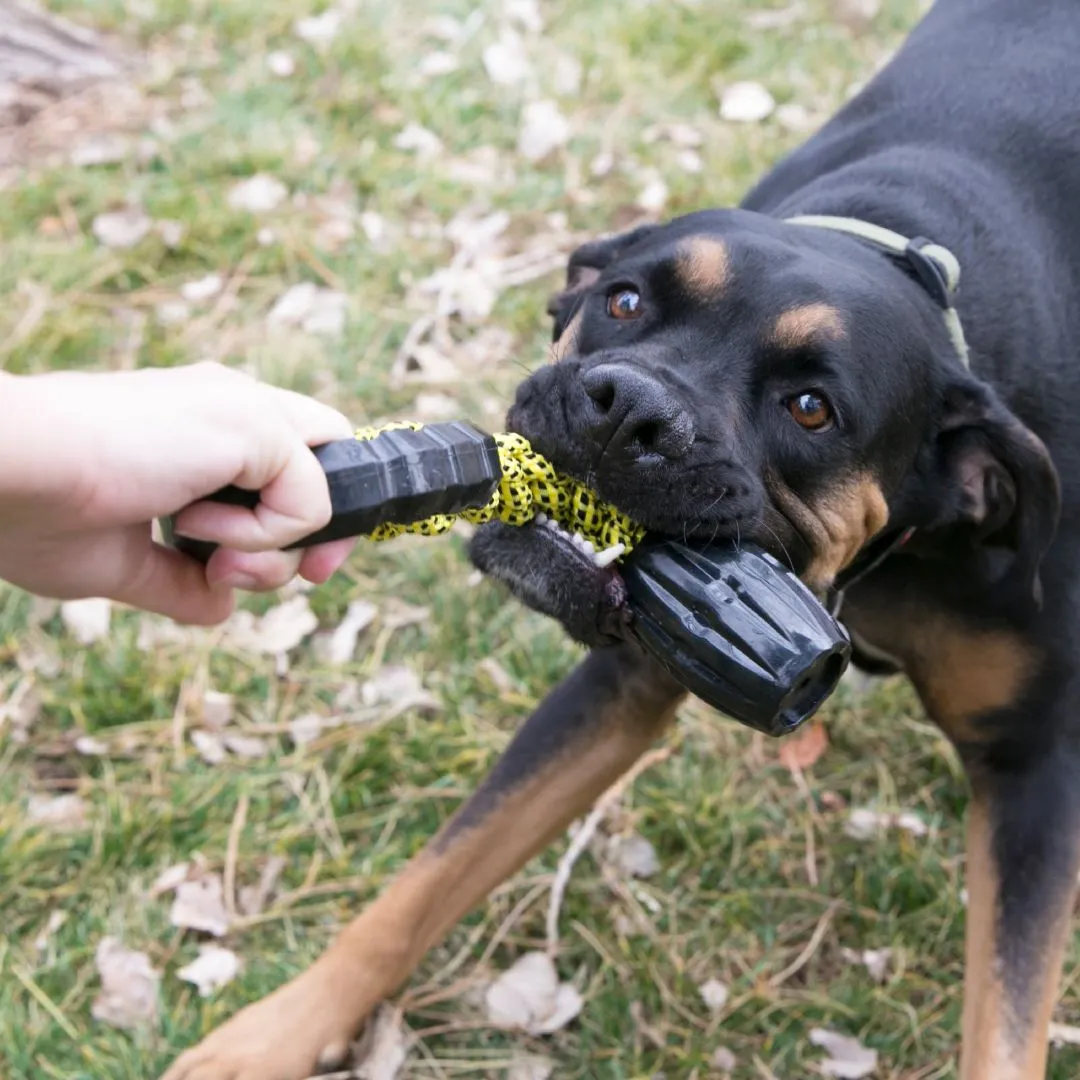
(529,997)
(211,969)
(803,749)
(847,1058)
(129,987)
(200,905)
(383,1048)
(58,811)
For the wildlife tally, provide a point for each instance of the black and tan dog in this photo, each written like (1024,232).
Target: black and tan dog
(805,383)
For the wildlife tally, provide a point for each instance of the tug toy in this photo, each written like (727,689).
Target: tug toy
(735,627)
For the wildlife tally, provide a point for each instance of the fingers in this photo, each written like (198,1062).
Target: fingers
(261,571)
(319,564)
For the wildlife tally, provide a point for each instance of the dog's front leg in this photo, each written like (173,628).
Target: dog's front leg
(581,739)
(1023,857)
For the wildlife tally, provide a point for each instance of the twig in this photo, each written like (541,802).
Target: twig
(232,853)
(803,958)
(585,834)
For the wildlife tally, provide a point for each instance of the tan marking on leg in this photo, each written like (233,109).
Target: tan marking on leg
(567,340)
(377,951)
(807,325)
(836,526)
(704,267)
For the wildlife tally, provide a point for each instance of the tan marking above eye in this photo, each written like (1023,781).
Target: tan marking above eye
(807,325)
(703,267)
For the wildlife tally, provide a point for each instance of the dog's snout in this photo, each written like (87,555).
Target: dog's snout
(634,415)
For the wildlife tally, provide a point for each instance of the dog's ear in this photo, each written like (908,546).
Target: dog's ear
(999,478)
(584,268)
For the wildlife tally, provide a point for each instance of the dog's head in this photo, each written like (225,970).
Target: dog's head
(730,375)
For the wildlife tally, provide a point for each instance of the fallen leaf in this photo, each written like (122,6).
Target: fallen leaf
(245,746)
(396,614)
(911,822)
(529,1067)
(211,969)
(217,709)
(529,997)
(526,13)
(543,130)
(319,30)
(602,164)
(566,75)
(383,1048)
(58,811)
(498,675)
(443,27)
(847,1058)
(171,233)
(633,856)
(685,135)
(804,748)
(1063,1034)
(204,288)
(172,313)
(121,228)
(746,103)
(506,61)
(414,138)
(252,899)
(433,407)
(653,196)
(436,64)
(282,628)
(314,309)
(88,746)
(864,823)
(208,746)
(129,987)
(715,994)
(169,879)
(794,117)
(280,64)
(775,18)
(689,161)
(199,904)
(55,920)
(876,961)
(258,194)
(399,687)
(87,620)
(856,14)
(104,148)
(341,643)
(723,1060)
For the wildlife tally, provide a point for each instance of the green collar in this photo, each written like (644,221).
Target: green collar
(936,267)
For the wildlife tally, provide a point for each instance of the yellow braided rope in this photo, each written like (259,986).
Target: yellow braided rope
(529,485)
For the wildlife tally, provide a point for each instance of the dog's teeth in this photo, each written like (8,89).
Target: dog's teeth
(541,518)
(608,555)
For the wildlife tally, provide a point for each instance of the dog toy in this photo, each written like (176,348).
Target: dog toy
(733,626)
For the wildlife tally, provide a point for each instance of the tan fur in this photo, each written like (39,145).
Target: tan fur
(704,267)
(567,340)
(806,325)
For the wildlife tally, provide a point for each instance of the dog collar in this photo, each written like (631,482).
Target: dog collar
(936,267)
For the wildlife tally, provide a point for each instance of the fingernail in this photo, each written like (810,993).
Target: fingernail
(239,580)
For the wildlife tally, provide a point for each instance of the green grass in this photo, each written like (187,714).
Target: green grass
(734,898)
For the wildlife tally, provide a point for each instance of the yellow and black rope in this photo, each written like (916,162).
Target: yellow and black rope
(530,485)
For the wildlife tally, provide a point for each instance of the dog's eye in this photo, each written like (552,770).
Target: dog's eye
(811,410)
(624,304)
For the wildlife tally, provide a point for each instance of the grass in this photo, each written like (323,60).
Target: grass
(735,897)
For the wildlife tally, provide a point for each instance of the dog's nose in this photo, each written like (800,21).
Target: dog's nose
(634,415)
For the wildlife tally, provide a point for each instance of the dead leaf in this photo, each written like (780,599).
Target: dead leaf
(87,620)
(529,997)
(121,229)
(795,117)
(723,1060)
(529,1067)
(847,1058)
(506,61)
(319,30)
(217,710)
(775,18)
(88,746)
(102,148)
(653,196)
(313,309)
(341,642)
(397,614)
(250,747)
(383,1047)
(715,994)
(856,14)
(436,64)
(56,919)
(254,898)
(129,987)
(204,288)
(258,194)
(400,688)
(633,855)
(864,823)
(876,961)
(169,879)
(498,675)
(211,969)
(804,748)
(746,103)
(58,811)
(1063,1035)
(199,904)
(208,746)
(543,130)
(282,628)
(566,75)
(689,161)
(526,13)
(280,64)
(305,729)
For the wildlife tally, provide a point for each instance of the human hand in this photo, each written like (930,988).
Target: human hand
(89,461)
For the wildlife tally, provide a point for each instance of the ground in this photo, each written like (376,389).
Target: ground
(760,886)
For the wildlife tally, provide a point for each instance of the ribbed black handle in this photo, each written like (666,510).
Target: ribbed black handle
(399,476)
(737,629)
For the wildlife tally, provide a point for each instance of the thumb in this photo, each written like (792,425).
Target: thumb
(168,583)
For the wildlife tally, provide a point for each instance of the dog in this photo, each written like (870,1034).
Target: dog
(870,368)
